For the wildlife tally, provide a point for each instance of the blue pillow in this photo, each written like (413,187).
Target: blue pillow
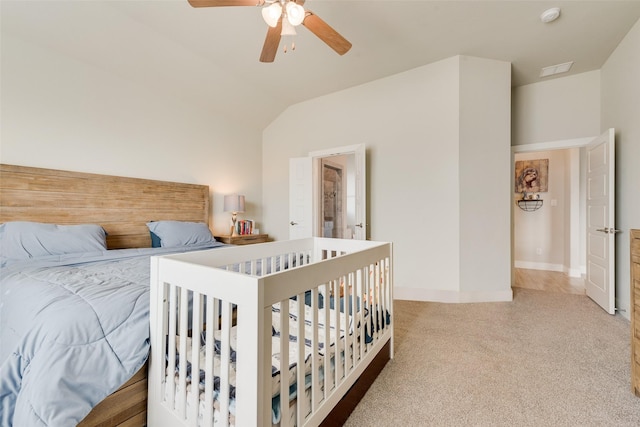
(21,240)
(179,233)
(155,240)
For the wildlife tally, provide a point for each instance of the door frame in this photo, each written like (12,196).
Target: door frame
(361,211)
(527,148)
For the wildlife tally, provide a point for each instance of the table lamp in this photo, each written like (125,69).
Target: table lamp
(234,203)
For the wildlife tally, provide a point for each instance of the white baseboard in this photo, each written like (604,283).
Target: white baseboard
(572,272)
(436,295)
(539,266)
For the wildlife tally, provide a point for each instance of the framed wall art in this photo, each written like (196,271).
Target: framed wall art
(532,176)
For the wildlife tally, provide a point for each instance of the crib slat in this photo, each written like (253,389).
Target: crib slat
(171,384)
(342,307)
(182,365)
(383,293)
(314,354)
(352,327)
(211,322)
(361,315)
(194,395)
(380,319)
(376,296)
(267,367)
(389,296)
(264,266)
(301,401)
(225,357)
(327,339)
(337,349)
(284,361)
(368,302)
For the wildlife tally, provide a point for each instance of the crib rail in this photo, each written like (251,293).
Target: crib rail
(226,312)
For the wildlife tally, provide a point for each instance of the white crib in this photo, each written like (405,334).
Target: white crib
(237,299)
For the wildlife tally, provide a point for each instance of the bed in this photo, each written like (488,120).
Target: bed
(123,207)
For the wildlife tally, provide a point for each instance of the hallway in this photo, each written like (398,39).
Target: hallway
(550,281)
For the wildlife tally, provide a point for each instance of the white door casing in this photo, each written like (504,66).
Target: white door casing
(361,194)
(301,200)
(600,279)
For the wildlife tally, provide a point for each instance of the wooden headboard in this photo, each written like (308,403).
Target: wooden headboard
(121,205)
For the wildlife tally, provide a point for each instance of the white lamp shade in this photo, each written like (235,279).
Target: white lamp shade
(271,14)
(295,13)
(234,203)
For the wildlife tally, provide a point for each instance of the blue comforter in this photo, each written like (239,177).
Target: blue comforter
(73,329)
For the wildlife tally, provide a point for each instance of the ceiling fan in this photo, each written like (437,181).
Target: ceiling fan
(283,16)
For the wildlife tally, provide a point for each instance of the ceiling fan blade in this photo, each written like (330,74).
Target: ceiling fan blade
(218,3)
(325,33)
(271,43)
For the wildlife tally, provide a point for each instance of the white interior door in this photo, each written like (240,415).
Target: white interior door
(600,280)
(301,203)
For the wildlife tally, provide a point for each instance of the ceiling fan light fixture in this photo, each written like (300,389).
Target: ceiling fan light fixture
(295,13)
(271,14)
(287,28)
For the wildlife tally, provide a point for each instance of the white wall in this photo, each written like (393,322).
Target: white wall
(621,110)
(410,123)
(60,113)
(485,124)
(558,109)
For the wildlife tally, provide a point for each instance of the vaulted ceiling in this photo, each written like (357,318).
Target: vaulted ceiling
(210,55)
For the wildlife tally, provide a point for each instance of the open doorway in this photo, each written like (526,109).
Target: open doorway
(548,220)
(327,194)
(597,178)
(334,196)
(548,244)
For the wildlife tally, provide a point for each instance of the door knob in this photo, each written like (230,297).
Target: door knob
(609,230)
(293,223)
(359,225)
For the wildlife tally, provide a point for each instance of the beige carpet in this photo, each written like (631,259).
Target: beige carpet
(545,359)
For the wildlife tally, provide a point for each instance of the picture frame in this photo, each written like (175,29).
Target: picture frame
(532,176)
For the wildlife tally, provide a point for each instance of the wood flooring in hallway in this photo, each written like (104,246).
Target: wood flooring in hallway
(550,281)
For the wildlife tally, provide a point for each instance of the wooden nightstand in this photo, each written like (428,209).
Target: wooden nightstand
(246,239)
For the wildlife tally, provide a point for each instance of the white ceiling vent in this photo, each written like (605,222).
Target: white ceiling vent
(556,69)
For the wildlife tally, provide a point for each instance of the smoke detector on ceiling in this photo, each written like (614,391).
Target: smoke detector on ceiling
(550,15)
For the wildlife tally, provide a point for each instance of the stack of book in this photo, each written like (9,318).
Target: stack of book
(244,226)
